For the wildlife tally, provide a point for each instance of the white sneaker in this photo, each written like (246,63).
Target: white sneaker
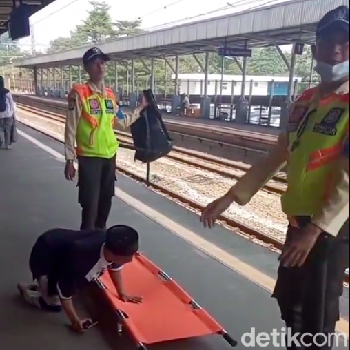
(30,294)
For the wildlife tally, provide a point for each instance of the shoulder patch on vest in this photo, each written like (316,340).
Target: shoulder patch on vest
(328,125)
(94,105)
(109,106)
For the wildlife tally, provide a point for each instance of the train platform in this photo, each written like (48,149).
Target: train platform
(251,130)
(226,274)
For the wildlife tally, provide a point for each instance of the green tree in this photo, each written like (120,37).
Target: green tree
(9,50)
(267,62)
(98,27)
(303,65)
(127,28)
(60,44)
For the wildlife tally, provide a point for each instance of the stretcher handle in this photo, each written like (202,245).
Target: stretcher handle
(232,342)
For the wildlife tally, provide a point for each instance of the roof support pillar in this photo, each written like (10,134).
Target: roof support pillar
(149,71)
(79,74)
(177,68)
(126,66)
(53,73)
(284,58)
(116,83)
(291,88)
(41,79)
(205,100)
(200,64)
(206,72)
(152,80)
(70,78)
(311,72)
(168,63)
(48,77)
(222,76)
(165,77)
(239,64)
(244,76)
(63,88)
(132,76)
(35,76)
(46,72)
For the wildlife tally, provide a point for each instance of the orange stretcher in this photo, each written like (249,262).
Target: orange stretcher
(167,312)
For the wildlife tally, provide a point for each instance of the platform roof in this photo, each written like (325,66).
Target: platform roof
(281,24)
(7,5)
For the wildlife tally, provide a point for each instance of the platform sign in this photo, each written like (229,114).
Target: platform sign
(234,52)
(299,48)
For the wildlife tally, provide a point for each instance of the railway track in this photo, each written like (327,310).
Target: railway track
(219,166)
(250,233)
(231,143)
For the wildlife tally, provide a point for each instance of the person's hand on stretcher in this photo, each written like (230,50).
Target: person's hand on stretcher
(130,299)
(117,279)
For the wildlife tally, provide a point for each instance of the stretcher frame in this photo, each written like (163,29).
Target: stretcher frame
(122,317)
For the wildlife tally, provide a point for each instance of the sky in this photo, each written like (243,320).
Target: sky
(62,16)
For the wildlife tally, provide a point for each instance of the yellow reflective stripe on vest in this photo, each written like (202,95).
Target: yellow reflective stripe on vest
(95,132)
(324,156)
(91,120)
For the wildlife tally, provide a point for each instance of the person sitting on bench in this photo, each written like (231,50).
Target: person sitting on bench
(63,261)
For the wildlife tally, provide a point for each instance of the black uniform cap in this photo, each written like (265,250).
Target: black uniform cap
(94,53)
(122,240)
(337,18)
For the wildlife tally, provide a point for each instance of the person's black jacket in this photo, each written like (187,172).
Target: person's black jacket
(74,254)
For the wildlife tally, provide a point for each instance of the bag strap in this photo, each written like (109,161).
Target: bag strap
(163,127)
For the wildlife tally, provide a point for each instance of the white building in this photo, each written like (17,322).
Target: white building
(193,84)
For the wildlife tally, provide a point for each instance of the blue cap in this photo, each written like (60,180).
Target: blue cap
(337,18)
(94,53)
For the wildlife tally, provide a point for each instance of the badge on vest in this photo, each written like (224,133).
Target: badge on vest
(95,107)
(109,105)
(328,125)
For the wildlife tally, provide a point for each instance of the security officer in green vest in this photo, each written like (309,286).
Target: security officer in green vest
(316,149)
(89,137)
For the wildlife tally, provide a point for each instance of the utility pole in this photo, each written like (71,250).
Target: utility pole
(32,39)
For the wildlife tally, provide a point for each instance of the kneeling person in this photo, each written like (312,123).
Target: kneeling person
(63,261)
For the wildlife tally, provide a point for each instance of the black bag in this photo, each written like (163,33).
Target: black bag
(151,138)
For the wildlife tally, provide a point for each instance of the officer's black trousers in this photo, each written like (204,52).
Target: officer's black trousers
(308,296)
(96,190)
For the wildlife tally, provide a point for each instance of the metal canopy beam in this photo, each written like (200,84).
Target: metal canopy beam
(281,24)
